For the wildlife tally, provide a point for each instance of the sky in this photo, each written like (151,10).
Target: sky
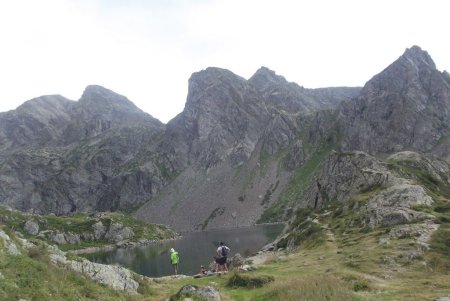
(147,50)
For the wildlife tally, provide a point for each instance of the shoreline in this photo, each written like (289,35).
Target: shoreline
(131,244)
(120,245)
(233,228)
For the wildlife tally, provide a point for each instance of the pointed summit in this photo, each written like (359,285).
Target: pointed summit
(264,75)
(405,107)
(99,96)
(418,57)
(414,69)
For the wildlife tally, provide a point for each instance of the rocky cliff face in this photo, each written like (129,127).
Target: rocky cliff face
(222,120)
(99,110)
(62,156)
(225,143)
(381,189)
(239,150)
(290,97)
(38,122)
(405,107)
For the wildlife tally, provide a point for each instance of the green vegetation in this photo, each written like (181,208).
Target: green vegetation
(331,254)
(267,197)
(81,224)
(316,151)
(335,260)
(418,171)
(239,280)
(30,276)
(294,191)
(303,231)
(438,187)
(216,212)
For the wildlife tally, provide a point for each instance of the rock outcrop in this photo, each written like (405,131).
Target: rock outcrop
(31,227)
(292,98)
(117,277)
(385,195)
(208,293)
(9,245)
(405,107)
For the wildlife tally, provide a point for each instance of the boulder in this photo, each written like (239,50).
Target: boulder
(58,238)
(99,230)
(236,261)
(10,246)
(72,238)
(117,232)
(208,293)
(31,227)
(393,206)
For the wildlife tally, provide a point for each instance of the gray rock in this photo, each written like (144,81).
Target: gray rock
(117,277)
(236,261)
(72,238)
(344,175)
(117,232)
(10,246)
(393,206)
(99,230)
(247,268)
(58,238)
(208,293)
(31,227)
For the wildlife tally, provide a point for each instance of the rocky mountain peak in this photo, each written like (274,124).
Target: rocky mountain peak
(264,76)
(412,70)
(204,84)
(45,102)
(418,57)
(406,106)
(98,97)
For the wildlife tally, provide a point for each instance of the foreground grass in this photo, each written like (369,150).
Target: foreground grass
(30,276)
(345,267)
(352,267)
(348,264)
(345,264)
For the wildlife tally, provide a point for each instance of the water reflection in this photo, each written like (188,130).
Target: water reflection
(195,249)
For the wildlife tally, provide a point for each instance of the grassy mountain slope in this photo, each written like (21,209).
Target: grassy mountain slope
(329,253)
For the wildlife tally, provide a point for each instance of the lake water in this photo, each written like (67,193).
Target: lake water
(194,249)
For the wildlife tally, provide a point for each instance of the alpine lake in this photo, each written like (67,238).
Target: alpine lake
(194,249)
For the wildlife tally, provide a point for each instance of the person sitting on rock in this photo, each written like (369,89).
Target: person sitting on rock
(203,271)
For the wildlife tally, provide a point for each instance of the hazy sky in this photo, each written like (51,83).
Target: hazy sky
(147,50)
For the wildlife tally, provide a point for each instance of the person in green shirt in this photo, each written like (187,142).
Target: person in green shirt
(174,259)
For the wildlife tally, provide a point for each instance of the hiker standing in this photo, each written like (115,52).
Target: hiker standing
(221,260)
(174,259)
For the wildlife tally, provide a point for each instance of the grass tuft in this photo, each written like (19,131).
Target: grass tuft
(238,280)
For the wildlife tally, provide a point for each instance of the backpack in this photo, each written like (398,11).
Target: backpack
(224,251)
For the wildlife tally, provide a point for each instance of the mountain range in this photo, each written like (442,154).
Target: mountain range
(241,152)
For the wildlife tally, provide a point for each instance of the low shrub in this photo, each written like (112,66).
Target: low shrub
(361,285)
(238,280)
